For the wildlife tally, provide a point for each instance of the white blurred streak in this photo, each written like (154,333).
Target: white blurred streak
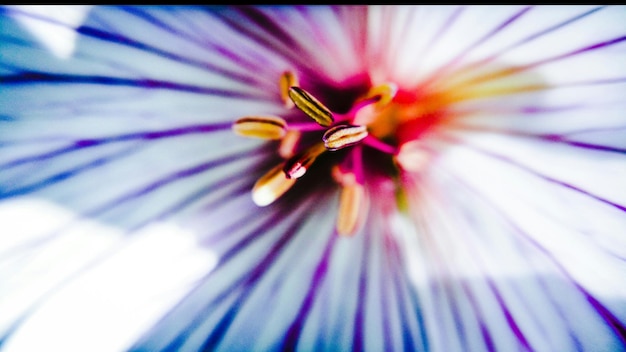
(88,304)
(58,34)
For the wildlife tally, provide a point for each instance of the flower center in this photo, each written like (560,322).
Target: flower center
(372,121)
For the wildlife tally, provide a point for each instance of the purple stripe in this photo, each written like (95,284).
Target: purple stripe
(358,343)
(120,39)
(515,70)
(33,77)
(294,330)
(68,174)
(616,325)
(556,138)
(251,279)
(202,42)
(146,136)
(256,24)
(593,47)
(535,36)
(168,179)
(435,39)
(193,322)
(406,306)
(476,44)
(545,177)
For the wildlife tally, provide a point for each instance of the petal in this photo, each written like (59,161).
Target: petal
(124,150)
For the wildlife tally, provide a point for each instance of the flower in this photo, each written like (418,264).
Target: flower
(435,178)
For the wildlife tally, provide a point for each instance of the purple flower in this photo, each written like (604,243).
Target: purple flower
(402,178)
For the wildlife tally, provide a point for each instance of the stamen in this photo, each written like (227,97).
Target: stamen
(265,127)
(385,93)
(350,208)
(271,186)
(298,165)
(343,136)
(287,80)
(288,144)
(412,156)
(311,106)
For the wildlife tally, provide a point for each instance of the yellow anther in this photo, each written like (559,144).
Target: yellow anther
(343,136)
(271,186)
(265,127)
(298,165)
(311,106)
(385,93)
(287,80)
(288,144)
(351,204)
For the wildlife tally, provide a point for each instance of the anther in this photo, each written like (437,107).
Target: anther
(343,136)
(351,202)
(288,144)
(271,186)
(298,165)
(311,106)
(412,156)
(385,93)
(287,80)
(265,127)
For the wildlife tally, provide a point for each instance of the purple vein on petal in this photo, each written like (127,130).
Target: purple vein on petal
(356,18)
(408,303)
(510,319)
(615,324)
(450,64)
(484,331)
(385,301)
(33,77)
(294,330)
(395,268)
(358,342)
(442,30)
(93,262)
(197,196)
(175,176)
(70,173)
(556,138)
(535,36)
(536,173)
(241,187)
(515,70)
(240,285)
(205,45)
(120,39)
(283,44)
(142,136)
(250,280)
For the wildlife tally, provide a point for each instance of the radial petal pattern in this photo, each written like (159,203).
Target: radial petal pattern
(492,213)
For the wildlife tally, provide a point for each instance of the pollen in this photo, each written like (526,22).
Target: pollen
(264,127)
(311,106)
(343,136)
(351,206)
(287,80)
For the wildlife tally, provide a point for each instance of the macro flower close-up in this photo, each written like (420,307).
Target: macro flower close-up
(313,178)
